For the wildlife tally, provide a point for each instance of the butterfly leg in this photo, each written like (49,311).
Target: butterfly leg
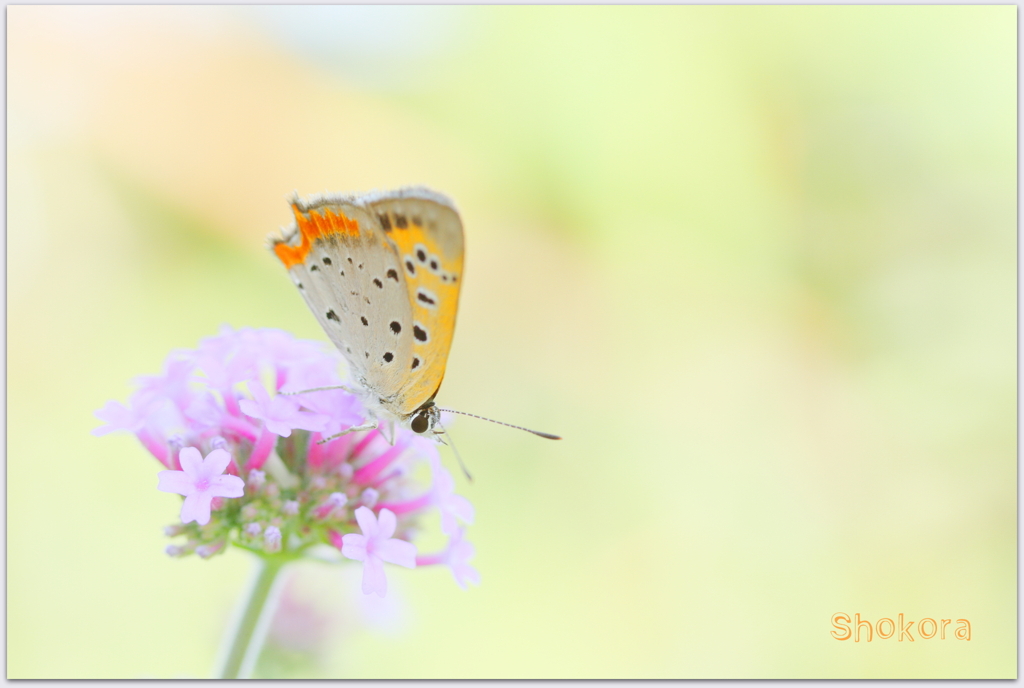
(354,428)
(387,431)
(320,389)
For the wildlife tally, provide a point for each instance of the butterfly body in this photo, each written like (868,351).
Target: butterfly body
(381,273)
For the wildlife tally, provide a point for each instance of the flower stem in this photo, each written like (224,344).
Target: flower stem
(253,621)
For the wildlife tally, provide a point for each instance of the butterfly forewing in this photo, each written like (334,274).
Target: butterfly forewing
(381,273)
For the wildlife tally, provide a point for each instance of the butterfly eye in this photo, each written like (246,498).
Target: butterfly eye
(419,423)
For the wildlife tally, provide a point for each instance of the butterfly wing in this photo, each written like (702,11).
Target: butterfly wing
(381,273)
(426,232)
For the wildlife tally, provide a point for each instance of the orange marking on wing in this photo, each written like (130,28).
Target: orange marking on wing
(315,226)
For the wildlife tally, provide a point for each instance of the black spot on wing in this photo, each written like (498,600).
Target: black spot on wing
(393,274)
(400,221)
(327,261)
(396,326)
(388,356)
(409,266)
(331,315)
(425,297)
(385,222)
(419,333)
(380,285)
(415,363)
(366,323)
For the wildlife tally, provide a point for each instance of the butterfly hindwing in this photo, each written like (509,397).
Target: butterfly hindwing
(426,233)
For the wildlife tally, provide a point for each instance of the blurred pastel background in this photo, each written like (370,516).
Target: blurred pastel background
(756,264)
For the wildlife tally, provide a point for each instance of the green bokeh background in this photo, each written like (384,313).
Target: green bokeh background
(756,264)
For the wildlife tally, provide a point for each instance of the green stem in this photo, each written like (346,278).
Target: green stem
(251,628)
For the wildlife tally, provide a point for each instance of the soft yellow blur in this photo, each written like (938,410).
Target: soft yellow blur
(756,264)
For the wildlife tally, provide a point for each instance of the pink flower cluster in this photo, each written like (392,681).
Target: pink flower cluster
(268,483)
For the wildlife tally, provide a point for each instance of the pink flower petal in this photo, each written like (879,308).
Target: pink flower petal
(461,508)
(196,507)
(353,546)
(174,481)
(367,522)
(449,525)
(465,573)
(249,407)
(397,552)
(216,461)
(374,579)
(262,449)
(281,413)
(226,486)
(386,523)
(191,461)
(117,417)
(314,422)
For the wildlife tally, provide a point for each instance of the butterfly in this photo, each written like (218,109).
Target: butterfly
(381,273)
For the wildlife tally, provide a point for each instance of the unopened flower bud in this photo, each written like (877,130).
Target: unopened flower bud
(333,503)
(272,539)
(256,478)
(369,497)
(253,529)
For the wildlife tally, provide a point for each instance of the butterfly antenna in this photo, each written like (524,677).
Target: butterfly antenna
(458,457)
(517,427)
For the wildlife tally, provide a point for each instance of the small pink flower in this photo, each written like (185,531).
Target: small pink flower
(342,409)
(453,507)
(118,417)
(376,546)
(172,385)
(459,554)
(200,480)
(456,556)
(272,539)
(280,413)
